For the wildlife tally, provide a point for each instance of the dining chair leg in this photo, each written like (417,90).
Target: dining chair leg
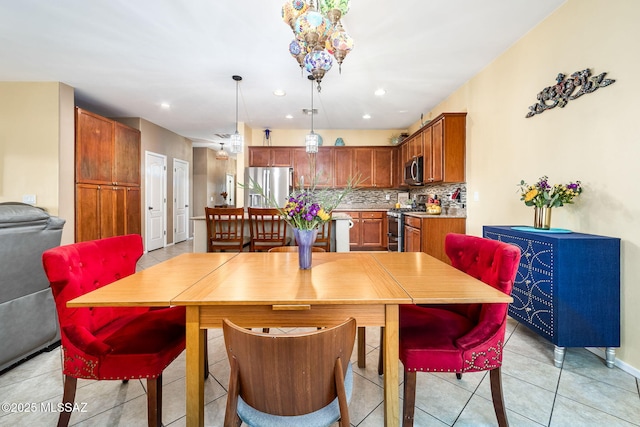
(381,353)
(68,397)
(409,404)
(362,347)
(495,377)
(154,401)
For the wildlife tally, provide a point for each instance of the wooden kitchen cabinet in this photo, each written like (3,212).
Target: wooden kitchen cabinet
(107,152)
(270,156)
(106,211)
(371,165)
(434,229)
(412,234)
(324,167)
(343,166)
(444,148)
(442,145)
(369,230)
(107,178)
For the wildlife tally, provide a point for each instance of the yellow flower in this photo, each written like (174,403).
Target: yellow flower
(530,195)
(323,215)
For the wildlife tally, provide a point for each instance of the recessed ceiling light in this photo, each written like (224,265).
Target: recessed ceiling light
(279,92)
(165,105)
(366,116)
(380,92)
(288,116)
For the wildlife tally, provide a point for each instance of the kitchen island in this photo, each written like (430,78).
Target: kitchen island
(339,235)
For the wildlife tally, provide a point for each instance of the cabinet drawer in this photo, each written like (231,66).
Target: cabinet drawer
(371,215)
(412,221)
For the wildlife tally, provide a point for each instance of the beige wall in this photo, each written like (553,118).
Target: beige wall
(593,139)
(36,147)
(293,137)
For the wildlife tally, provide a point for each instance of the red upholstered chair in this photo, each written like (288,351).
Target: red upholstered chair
(460,337)
(110,343)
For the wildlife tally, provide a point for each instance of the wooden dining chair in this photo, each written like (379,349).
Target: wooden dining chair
(323,240)
(461,338)
(110,343)
(268,229)
(225,229)
(290,380)
(294,249)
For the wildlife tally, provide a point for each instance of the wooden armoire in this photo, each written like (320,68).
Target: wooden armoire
(107,178)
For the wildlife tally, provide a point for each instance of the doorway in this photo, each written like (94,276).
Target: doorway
(156,200)
(180,200)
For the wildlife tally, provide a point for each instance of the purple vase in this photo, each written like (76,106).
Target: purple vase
(305,240)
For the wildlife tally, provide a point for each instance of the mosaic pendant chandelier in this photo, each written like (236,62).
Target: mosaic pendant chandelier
(319,35)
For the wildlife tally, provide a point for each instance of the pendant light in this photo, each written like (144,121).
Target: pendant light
(221,154)
(311,140)
(236,139)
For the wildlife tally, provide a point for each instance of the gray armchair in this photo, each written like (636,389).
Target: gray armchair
(28,320)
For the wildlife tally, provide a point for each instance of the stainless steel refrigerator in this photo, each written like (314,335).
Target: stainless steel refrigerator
(276,183)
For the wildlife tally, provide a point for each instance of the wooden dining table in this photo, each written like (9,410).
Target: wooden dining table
(269,290)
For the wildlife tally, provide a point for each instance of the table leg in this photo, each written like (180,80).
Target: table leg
(391,345)
(195,368)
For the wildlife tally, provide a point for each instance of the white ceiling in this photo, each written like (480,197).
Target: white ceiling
(126,57)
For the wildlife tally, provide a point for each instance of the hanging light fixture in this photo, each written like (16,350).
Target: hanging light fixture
(311,140)
(221,154)
(236,139)
(319,34)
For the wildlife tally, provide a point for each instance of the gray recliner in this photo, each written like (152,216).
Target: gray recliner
(28,320)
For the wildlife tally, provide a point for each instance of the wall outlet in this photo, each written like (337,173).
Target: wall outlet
(212,198)
(476,196)
(29,198)
(387,197)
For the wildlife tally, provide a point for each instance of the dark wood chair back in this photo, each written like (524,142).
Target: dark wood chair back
(268,229)
(288,374)
(225,229)
(324,236)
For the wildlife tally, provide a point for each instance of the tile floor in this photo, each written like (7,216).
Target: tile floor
(583,393)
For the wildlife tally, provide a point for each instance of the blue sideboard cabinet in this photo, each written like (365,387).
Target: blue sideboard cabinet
(567,288)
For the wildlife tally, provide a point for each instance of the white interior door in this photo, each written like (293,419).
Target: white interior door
(156,200)
(230,183)
(180,200)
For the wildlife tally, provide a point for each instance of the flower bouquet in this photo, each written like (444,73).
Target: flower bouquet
(544,196)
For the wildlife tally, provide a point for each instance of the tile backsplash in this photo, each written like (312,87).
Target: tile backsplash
(377,199)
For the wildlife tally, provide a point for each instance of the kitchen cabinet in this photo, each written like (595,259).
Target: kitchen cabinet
(442,145)
(107,152)
(107,178)
(426,233)
(444,148)
(567,288)
(412,234)
(323,168)
(368,231)
(270,156)
(434,230)
(374,166)
(343,166)
(106,211)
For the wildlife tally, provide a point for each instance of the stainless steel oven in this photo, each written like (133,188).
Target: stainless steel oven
(395,229)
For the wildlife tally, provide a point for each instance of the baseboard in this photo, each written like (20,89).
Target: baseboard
(618,363)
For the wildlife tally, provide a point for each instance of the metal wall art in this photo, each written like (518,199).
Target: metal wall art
(563,91)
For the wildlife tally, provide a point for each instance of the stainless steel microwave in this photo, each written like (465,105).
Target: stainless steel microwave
(413,171)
